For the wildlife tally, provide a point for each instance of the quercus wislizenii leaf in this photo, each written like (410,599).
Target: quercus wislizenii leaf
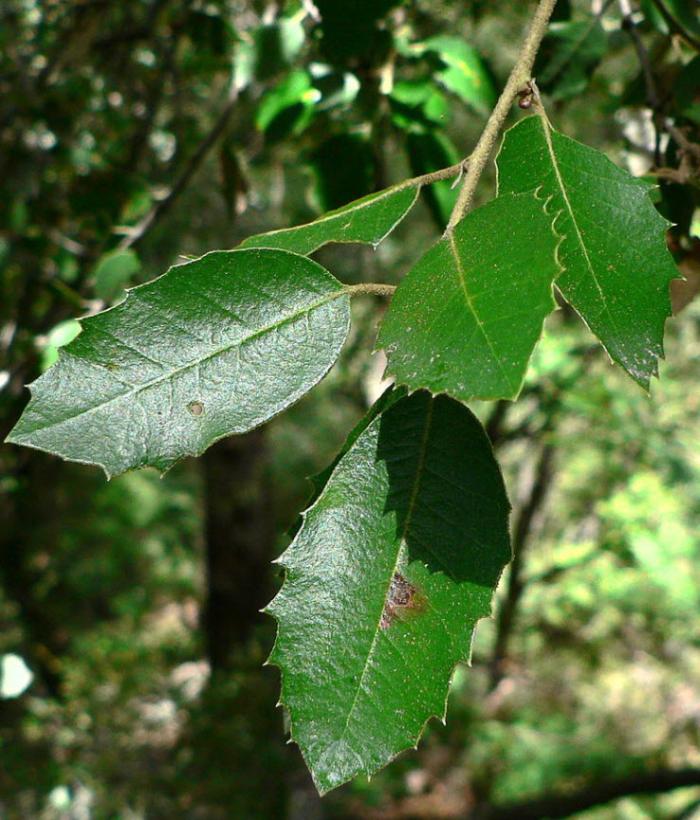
(215,346)
(616,267)
(465,319)
(366,220)
(394,564)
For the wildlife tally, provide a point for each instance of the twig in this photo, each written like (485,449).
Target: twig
(674,24)
(652,95)
(596,794)
(137,233)
(505,620)
(370,288)
(630,27)
(519,75)
(653,99)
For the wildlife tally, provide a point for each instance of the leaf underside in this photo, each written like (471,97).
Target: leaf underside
(616,267)
(466,318)
(367,220)
(213,347)
(394,564)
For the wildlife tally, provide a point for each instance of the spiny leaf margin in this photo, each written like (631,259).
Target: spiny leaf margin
(528,162)
(455,575)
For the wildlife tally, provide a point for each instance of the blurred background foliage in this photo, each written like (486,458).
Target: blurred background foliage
(133,135)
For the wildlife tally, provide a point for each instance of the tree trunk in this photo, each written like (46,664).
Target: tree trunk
(239,543)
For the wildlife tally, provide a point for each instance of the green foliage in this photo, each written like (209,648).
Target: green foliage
(428,151)
(368,220)
(114,272)
(154,380)
(395,562)
(288,108)
(451,326)
(569,54)
(616,267)
(104,109)
(462,71)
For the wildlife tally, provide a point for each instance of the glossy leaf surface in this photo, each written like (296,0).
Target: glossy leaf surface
(394,564)
(366,220)
(616,267)
(465,319)
(213,347)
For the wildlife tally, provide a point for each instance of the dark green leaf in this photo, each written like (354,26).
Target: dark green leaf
(393,566)
(616,267)
(434,150)
(350,29)
(344,169)
(214,347)
(684,13)
(687,90)
(465,319)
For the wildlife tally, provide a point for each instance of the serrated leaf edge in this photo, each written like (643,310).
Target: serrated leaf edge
(267,610)
(389,374)
(664,224)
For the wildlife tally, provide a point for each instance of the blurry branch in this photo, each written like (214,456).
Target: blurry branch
(496,420)
(137,233)
(519,76)
(505,620)
(580,41)
(689,151)
(596,794)
(651,91)
(370,288)
(628,24)
(675,25)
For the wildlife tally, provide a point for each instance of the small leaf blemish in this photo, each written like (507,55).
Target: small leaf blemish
(402,598)
(196,408)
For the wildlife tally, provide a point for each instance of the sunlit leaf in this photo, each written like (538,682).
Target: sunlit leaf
(463,72)
(394,564)
(367,220)
(465,319)
(213,347)
(288,107)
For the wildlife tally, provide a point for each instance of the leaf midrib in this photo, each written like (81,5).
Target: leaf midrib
(174,373)
(546,129)
(399,555)
(470,304)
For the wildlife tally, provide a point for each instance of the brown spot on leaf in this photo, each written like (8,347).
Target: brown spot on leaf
(196,408)
(402,599)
